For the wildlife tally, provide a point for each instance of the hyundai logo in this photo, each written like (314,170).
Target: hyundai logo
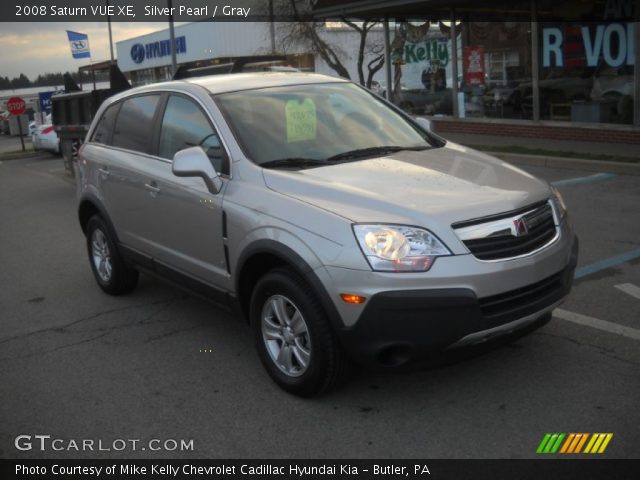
(79,44)
(137,53)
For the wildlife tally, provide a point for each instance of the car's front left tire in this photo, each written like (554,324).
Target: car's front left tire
(293,337)
(108,267)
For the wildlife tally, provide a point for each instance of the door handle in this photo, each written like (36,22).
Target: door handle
(104,173)
(152,187)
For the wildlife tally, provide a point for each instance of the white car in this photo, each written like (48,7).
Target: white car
(45,137)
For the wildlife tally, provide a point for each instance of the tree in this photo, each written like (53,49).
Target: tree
(21,82)
(364,47)
(314,35)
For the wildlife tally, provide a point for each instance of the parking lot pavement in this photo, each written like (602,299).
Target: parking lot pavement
(78,364)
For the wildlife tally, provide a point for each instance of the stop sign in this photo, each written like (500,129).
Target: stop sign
(16,105)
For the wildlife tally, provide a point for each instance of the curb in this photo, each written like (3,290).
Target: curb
(601,166)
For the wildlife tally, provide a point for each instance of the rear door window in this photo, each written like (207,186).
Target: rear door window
(134,123)
(185,125)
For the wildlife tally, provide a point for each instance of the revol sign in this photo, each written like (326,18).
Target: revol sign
(613,43)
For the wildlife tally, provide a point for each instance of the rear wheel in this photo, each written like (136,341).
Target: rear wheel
(108,267)
(294,339)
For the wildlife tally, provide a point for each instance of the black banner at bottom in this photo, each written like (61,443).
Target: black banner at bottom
(546,469)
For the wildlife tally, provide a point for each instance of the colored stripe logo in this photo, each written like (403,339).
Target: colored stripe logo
(572,443)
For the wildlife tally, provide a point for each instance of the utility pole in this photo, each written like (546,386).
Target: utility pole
(172,39)
(110,36)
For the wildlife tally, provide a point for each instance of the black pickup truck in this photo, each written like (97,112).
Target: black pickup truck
(72,111)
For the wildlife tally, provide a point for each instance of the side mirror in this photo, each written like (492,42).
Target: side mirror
(424,123)
(193,162)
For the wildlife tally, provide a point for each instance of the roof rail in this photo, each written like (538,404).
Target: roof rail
(237,66)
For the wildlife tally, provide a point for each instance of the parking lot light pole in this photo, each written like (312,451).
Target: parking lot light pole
(454,65)
(387,59)
(110,34)
(535,58)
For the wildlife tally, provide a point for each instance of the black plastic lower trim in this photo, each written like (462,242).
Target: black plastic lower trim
(397,327)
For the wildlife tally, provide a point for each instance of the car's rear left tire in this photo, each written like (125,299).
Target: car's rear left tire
(293,336)
(108,267)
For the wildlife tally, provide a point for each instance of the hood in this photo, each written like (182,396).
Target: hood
(447,184)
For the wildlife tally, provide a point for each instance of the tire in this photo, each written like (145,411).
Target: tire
(276,301)
(108,267)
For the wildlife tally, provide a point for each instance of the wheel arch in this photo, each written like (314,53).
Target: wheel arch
(262,256)
(90,206)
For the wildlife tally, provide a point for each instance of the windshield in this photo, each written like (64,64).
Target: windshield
(316,123)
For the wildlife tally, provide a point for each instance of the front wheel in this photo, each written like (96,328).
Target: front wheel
(294,339)
(108,267)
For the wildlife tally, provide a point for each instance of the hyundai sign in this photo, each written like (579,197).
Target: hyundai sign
(45,100)
(161,48)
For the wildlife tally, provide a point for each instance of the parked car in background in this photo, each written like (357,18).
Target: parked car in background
(45,138)
(4,122)
(614,86)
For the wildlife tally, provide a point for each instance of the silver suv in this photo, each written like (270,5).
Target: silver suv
(336,225)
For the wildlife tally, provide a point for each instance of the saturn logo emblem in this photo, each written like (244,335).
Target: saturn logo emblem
(520,227)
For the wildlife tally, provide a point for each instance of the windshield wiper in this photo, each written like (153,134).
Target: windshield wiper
(294,162)
(371,151)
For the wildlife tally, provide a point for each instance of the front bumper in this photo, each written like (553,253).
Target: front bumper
(400,326)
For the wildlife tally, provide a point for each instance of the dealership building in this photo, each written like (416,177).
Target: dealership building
(147,58)
(537,68)
(534,74)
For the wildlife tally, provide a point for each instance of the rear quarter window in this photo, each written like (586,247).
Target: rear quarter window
(134,123)
(104,129)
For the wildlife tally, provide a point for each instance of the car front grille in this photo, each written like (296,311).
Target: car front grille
(510,235)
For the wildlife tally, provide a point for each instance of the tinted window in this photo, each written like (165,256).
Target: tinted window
(134,124)
(185,125)
(102,133)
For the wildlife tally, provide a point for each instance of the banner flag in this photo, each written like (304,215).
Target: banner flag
(79,43)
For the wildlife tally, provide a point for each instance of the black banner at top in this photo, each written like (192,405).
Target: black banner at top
(307,10)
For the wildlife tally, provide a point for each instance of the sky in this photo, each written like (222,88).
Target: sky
(42,47)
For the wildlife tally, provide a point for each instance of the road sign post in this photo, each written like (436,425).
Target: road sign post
(17,106)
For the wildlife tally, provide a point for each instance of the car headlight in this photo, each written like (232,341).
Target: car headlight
(398,248)
(557,202)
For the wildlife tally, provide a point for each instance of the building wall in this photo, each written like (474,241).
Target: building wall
(203,40)
(207,40)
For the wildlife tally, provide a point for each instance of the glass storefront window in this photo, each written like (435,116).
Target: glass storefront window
(587,72)
(421,68)
(496,73)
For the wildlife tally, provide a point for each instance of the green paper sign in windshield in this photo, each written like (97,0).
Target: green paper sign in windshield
(301,120)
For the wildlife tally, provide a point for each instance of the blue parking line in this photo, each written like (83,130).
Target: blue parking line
(606,263)
(598,177)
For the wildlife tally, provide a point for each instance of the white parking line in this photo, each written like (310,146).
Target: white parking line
(629,288)
(610,327)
